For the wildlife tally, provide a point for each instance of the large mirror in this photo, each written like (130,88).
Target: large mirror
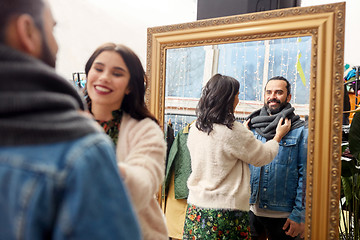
(305,45)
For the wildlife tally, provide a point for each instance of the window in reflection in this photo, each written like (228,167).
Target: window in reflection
(184,68)
(290,57)
(245,62)
(184,81)
(251,63)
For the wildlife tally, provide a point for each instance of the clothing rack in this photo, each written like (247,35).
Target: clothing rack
(178,121)
(356,83)
(79,79)
(356,68)
(240,119)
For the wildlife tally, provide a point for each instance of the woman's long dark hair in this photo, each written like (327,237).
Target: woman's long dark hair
(133,103)
(216,104)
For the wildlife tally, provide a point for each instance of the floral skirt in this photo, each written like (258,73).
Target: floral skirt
(207,223)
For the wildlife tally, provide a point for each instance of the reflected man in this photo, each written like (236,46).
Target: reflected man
(277,207)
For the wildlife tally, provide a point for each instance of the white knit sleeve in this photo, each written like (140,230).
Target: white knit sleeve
(144,166)
(243,145)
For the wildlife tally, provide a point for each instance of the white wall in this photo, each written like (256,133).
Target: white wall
(82,25)
(352,33)
(85,24)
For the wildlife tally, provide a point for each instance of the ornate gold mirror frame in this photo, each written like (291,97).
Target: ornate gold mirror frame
(325,24)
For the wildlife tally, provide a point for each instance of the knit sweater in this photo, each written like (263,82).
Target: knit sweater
(220,161)
(141,151)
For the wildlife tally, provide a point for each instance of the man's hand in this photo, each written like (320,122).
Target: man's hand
(122,171)
(294,228)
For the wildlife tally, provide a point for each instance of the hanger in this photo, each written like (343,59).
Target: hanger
(186,129)
(169,122)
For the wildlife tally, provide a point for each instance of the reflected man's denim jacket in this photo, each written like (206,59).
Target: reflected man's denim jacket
(67,190)
(280,185)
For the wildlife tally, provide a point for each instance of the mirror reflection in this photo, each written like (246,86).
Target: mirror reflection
(252,63)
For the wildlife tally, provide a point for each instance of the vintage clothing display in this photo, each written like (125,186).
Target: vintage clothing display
(180,163)
(175,210)
(175,188)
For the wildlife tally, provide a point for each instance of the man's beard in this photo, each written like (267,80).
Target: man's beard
(273,111)
(46,55)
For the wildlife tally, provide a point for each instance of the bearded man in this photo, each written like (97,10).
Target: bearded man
(277,206)
(58,172)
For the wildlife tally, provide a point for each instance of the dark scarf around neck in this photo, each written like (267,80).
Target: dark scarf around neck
(37,106)
(265,125)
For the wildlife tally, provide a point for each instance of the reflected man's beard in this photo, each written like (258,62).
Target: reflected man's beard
(275,110)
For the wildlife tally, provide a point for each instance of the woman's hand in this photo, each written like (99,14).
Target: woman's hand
(246,124)
(282,129)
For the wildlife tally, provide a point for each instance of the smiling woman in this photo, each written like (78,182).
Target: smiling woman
(115,94)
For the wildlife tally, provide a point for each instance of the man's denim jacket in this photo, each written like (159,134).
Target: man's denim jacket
(67,190)
(280,185)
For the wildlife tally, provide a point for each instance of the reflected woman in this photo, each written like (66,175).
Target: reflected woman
(115,95)
(221,150)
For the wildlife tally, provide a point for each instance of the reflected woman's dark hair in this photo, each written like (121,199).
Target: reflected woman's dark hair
(216,104)
(133,103)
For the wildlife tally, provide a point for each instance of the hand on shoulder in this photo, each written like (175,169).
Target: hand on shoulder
(282,129)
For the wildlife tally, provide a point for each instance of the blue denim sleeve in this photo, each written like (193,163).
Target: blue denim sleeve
(298,213)
(94,203)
